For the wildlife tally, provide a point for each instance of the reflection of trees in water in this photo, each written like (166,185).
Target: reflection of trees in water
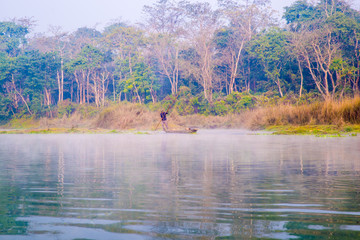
(10,209)
(60,176)
(216,187)
(288,172)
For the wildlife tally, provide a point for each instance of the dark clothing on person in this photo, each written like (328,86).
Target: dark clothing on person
(163,116)
(163,121)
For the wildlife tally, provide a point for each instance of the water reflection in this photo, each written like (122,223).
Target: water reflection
(215,184)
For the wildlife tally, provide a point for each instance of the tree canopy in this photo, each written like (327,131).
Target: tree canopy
(219,55)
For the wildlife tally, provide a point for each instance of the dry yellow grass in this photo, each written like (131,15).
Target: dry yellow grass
(330,112)
(75,120)
(126,116)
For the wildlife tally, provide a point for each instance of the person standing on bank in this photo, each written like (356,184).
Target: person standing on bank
(164,120)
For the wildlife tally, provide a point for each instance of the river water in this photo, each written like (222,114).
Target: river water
(216,184)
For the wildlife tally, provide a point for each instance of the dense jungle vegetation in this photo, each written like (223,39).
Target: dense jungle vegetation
(213,61)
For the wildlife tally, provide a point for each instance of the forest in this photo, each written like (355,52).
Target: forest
(217,61)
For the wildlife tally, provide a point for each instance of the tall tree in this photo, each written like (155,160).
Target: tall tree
(202,23)
(86,67)
(77,41)
(127,46)
(58,42)
(246,19)
(165,23)
(271,49)
(12,36)
(142,82)
(317,40)
(346,29)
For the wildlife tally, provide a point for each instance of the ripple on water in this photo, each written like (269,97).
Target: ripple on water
(71,228)
(213,184)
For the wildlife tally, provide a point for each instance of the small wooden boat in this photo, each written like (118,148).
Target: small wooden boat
(187,130)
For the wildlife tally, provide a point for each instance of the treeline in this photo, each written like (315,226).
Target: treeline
(216,57)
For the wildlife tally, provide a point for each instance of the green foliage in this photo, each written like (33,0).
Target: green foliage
(271,50)
(222,38)
(5,62)
(240,101)
(140,81)
(6,109)
(219,108)
(86,111)
(89,58)
(11,37)
(25,79)
(270,69)
(66,108)
(232,103)
(300,13)
(246,102)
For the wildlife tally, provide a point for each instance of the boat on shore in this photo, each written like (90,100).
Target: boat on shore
(187,130)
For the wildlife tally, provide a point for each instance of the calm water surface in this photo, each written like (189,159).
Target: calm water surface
(216,184)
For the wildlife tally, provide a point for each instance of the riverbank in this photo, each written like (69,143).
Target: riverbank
(317,130)
(321,118)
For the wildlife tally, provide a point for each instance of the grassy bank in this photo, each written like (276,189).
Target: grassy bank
(332,117)
(323,113)
(318,130)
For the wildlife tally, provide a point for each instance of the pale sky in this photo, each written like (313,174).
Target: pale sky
(73,14)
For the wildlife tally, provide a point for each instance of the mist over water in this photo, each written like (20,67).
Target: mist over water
(216,184)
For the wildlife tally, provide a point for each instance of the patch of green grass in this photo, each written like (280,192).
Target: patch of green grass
(348,129)
(57,131)
(11,132)
(138,132)
(355,128)
(24,123)
(73,130)
(317,130)
(40,131)
(330,135)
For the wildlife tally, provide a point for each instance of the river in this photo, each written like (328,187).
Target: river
(216,184)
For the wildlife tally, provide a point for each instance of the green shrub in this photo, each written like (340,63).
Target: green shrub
(65,108)
(233,98)
(87,111)
(219,108)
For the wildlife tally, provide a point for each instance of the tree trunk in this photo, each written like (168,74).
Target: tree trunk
(71,90)
(137,94)
(79,89)
(104,77)
(59,85)
(62,80)
(96,90)
(88,87)
(279,86)
(301,77)
(234,68)
(313,75)
(47,100)
(20,95)
(113,80)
